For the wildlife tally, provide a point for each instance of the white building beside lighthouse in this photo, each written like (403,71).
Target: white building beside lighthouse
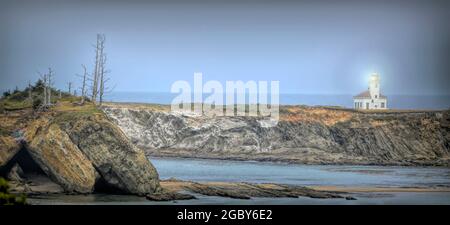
(372,98)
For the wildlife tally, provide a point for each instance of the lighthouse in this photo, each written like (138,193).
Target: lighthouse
(372,98)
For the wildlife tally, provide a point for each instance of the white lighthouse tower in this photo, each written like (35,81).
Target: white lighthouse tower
(372,98)
(374,85)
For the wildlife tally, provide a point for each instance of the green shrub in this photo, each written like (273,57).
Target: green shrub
(16,90)
(19,96)
(7,198)
(37,102)
(6,94)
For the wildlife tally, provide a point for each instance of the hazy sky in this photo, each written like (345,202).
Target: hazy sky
(311,47)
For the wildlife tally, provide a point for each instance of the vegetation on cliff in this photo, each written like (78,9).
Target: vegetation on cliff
(74,144)
(6,198)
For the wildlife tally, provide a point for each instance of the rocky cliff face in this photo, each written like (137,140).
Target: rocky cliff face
(8,148)
(78,148)
(60,158)
(120,164)
(303,135)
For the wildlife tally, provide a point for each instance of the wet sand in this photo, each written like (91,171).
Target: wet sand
(380,189)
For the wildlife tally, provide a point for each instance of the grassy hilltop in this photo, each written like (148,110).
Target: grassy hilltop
(71,144)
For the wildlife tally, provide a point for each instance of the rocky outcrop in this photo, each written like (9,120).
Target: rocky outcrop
(56,154)
(80,150)
(240,190)
(313,135)
(8,149)
(121,165)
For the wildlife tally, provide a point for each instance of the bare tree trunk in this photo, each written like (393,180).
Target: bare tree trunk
(101,88)
(102,78)
(101,73)
(45,89)
(70,87)
(83,88)
(49,88)
(96,74)
(30,95)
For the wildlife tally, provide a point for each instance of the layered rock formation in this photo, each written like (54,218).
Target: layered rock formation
(79,149)
(59,157)
(316,135)
(8,149)
(245,190)
(120,164)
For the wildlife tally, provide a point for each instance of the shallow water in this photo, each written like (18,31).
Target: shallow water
(308,175)
(259,172)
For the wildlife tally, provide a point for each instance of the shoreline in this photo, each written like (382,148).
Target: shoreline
(177,185)
(367,189)
(152,155)
(42,191)
(187,192)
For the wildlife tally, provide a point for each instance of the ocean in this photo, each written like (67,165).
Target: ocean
(432,102)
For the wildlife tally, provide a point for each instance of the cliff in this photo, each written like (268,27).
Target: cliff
(310,135)
(76,147)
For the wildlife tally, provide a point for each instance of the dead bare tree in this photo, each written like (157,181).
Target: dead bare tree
(44,95)
(30,94)
(103,80)
(98,66)
(69,85)
(49,86)
(47,89)
(83,87)
(95,73)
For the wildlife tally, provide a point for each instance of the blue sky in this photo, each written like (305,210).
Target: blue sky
(311,47)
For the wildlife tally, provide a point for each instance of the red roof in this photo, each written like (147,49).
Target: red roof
(366,94)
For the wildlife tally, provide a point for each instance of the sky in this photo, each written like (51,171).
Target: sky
(311,47)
